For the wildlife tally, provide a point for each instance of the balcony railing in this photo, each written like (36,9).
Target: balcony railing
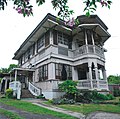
(87,84)
(89,49)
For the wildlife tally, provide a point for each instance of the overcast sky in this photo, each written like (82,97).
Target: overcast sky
(14,29)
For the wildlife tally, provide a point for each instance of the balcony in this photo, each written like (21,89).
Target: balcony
(94,84)
(89,49)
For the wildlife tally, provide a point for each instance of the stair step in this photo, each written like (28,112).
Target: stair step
(26,94)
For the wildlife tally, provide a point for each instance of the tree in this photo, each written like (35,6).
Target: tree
(7,70)
(25,7)
(112,79)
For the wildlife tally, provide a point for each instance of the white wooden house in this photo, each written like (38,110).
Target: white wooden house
(54,52)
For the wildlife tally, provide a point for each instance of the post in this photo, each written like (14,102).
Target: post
(96,75)
(14,91)
(93,42)
(90,76)
(86,42)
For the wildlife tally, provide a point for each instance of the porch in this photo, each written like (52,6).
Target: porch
(90,76)
(22,83)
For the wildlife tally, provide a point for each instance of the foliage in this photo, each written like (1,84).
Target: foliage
(69,87)
(112,79)
(10,114)
(25,7)
(7,70)
(116,92)
(40,96)
(63,101)
(9,93)
(29,107)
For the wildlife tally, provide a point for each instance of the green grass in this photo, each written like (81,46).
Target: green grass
(88,108)
(34,109)
(9,114)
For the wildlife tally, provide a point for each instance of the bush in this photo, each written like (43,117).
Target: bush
(9,93)
(116,92)
(110,97)
(63,101)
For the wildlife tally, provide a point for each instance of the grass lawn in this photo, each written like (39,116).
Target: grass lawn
(9,114)
(88,108)
(34,109)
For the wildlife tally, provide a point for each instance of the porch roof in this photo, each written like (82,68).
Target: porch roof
(21,71)
(98,29)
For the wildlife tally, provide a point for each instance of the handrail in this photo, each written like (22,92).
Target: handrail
(16,87)
(92,49)
(34,90)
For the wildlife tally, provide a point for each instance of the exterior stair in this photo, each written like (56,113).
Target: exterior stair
(26,94)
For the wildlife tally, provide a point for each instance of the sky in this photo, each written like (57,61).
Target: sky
(14,29)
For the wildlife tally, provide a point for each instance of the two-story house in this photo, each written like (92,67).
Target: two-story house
(55,52)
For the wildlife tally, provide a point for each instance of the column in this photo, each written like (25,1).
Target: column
(86,42)
(51,71)
(96,75)
(105,78)
(93,42)
(51,37)
(74,74)
(90,76)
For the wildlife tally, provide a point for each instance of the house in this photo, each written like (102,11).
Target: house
(55,52)
(4,84)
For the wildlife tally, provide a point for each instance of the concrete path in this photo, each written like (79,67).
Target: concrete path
(103,115)
(74,114)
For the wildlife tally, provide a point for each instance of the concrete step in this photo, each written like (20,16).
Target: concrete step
(26,94)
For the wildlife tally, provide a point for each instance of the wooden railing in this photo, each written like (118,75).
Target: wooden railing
(89,49)
(87,84)
(34,90)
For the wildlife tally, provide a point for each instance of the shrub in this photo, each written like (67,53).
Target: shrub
(9,93)
(63,101)
(69,87)
(116,92)
(110,97)
(40,96)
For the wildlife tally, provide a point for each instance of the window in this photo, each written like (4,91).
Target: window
(63,71)
(43,72)
(40,42)
(62,38)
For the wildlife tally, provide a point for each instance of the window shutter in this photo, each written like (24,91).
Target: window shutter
(55,37)
(47,37)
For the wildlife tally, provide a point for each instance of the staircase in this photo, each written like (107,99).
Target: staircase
(26,94)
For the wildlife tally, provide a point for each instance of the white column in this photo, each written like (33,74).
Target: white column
(90,76)
(104,74)
(51,71)
(51,37)
(15,75)
(96,75)
(105,78)
(5,84)
(86,42)
(93,42)
(74,74)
